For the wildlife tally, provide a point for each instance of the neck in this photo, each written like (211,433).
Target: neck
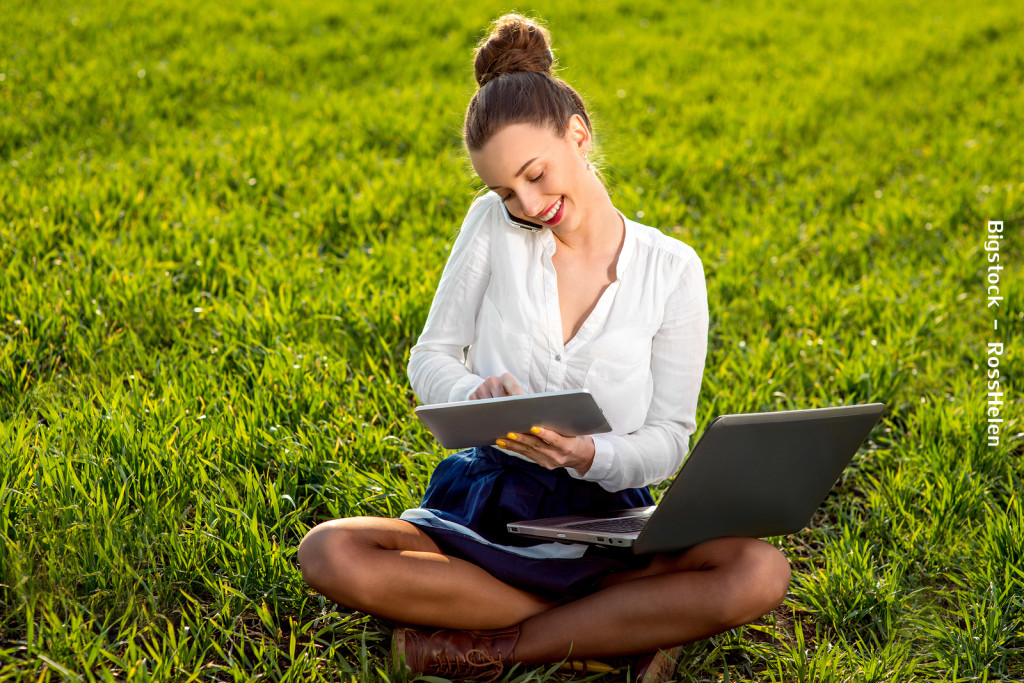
(600,230)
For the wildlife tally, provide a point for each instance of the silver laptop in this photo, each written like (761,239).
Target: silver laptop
(755,475)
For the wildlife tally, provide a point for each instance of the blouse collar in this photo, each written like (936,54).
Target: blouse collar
(625,254)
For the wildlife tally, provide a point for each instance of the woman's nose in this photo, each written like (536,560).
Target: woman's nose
(531,203)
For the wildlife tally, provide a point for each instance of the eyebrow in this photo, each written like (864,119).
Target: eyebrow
(518,173)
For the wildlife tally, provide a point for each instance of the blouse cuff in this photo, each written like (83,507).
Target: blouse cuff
(602,464)
(464,387)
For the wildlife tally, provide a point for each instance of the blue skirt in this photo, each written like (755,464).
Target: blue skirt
(474,493)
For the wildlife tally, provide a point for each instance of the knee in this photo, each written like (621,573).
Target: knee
(761,581)
(776,574)
(328,557)
(315,554)
(311,553)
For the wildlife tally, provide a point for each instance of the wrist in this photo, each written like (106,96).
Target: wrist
(584,455)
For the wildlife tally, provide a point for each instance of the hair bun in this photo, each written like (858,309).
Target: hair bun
(515,43)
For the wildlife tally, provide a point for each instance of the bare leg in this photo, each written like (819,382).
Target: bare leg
(391,569)
(708,589)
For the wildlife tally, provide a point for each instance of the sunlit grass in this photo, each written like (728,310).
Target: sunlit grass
(221,227)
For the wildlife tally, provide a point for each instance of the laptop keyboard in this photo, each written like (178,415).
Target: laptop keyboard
(622,525)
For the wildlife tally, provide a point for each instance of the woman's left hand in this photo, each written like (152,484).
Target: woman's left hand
(552,450)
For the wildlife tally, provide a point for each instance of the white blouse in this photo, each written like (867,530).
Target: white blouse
(640,352)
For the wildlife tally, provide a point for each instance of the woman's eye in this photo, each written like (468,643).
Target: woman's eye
(539,176)
(509,196)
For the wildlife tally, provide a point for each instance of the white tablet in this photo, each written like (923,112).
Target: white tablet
(480,423)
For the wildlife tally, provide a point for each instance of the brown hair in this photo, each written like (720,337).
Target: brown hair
(513,68)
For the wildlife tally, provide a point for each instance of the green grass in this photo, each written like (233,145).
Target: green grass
(221,227)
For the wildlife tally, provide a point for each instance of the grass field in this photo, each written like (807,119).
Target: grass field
(220,230)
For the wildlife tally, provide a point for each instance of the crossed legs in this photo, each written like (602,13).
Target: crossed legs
(392,569)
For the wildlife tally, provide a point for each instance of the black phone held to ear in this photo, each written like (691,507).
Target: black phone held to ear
(519,222)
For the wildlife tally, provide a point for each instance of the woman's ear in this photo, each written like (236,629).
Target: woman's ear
(579,134)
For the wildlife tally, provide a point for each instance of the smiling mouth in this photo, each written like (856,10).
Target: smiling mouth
(553,211)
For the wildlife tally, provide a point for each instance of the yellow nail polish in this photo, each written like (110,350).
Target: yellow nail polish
(535,430)
(512,436)
(501,443)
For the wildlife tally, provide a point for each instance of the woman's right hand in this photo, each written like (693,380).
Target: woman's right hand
(496,387)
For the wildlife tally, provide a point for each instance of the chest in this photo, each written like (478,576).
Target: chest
(581,284)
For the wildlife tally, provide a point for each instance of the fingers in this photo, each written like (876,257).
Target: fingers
(534,448)
(548,436)
(490,388)
(511,385)
(496,387)
(480,392)
(538,439)
(550,449)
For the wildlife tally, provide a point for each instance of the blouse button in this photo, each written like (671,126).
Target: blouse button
(558,357)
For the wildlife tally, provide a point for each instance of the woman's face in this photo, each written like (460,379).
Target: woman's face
(541,176)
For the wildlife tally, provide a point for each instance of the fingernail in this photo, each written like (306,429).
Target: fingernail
(512,436)
(501,443)
(535,430)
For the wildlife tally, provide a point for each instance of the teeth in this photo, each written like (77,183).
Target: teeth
(554,209)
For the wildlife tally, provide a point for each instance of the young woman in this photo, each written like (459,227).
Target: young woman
(591,300)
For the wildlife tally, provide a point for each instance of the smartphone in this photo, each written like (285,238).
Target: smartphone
(519,222)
